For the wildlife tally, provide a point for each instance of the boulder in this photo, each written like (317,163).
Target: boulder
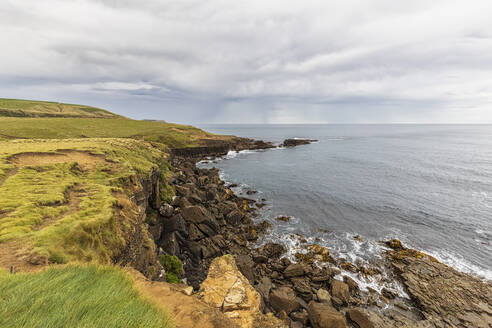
(323,296)
(272,250)
(176,223)
(195,233)
(322,315)
(340,290)
(359,318)
(245,265)
(283,299)
(198,214)
(166,210)
(301,316)
(352,285)
(294,270)
(264,287)
(234,217)
(230,292)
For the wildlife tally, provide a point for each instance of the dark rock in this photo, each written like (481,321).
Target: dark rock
(260,258)
(272,250)
(283,299)
(234,217)
(195,251)
(245,265)
(352,285)
(264,287)
(322,315)
(283,218)
(359,318)
(207,230)
(301,285)
(209,249)
(390,294)
(176,223)
(170,244)
(301,316)
(297,142)
(197,215)
(294,270)
(194,232)
(166,210)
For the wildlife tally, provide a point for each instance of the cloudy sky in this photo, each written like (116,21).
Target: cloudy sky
(266,61)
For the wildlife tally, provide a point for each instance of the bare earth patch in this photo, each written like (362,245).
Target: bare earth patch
(85,160)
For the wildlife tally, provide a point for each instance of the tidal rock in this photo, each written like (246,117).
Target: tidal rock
(340,290)
(359,318)
(294,270)
(272,250)
(296,142)
(283,299)
(446,297)
(352,285)
(322,315)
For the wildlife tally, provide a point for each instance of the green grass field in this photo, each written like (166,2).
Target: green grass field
(32,108)
(75,296)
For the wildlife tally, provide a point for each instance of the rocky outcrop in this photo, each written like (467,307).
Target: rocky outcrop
(221,147)
(322,315)
(227,289)
(206,220)
(445,297)
(139,248)
(296,142)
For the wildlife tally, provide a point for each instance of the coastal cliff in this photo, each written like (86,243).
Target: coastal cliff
(208,221)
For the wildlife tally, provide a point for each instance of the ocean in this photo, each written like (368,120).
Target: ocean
(428,185)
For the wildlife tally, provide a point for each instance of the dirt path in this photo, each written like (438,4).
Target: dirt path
(12,254)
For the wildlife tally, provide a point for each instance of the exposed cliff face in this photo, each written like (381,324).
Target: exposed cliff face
(221,147)
(139,251)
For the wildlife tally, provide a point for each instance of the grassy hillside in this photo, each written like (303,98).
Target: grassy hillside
(167,134)
(67,185)
(32,108)
(75,296)
(59,198)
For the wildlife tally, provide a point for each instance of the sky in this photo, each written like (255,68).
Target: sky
(268,61)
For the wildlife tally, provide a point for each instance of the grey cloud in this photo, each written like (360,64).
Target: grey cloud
(255,61)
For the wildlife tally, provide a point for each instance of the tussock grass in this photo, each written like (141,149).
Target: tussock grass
(32,108)
(81,224)
(75,296)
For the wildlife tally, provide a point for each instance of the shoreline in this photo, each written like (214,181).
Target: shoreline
(271,273)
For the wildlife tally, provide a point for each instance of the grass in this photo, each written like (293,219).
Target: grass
(75,296)
(32,108)
(62,206)
(163,135)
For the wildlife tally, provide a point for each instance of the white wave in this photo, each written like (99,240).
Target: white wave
(231,154)
(460,264)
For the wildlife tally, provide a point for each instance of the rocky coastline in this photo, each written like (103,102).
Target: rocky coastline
(206,221)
